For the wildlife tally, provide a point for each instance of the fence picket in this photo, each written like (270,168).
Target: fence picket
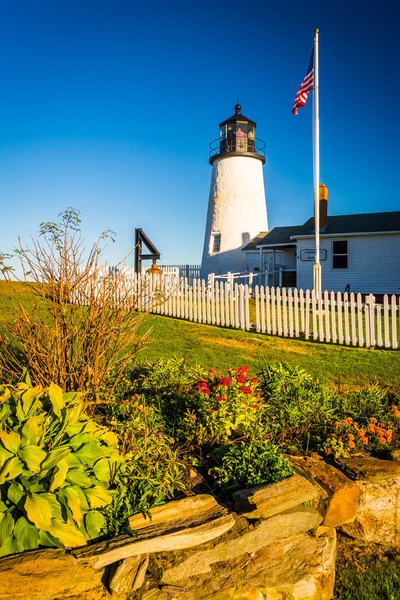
(204,301)
(353,320)
(257,301)
(307,316)
(222,303)
(339,306)
(262,308)
(273,311)
(296,312)
(346,317)
(290,309)
(268,304)
(284,311)
(386,320)
(247,306)
(371,303)
(327,313)
(379,325)
(321,335)
(314,315)
(333,317)
(360,320)
(302,312)
(394,324)
(279,309)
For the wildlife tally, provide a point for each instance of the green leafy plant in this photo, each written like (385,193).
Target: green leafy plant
(247,464)
(56,469)
(298,408)
(155,466)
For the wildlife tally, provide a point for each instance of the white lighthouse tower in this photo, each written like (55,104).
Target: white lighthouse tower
(237,209)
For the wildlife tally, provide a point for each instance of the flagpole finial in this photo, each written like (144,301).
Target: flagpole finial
(316,31)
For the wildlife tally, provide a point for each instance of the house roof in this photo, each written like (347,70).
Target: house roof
(343,224)
(347,224)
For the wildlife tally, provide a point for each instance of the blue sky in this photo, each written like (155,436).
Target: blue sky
(109,107)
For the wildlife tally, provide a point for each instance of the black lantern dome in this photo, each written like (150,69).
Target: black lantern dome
(237,137)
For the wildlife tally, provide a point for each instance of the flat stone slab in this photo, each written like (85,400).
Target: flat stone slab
(48,574)
(369,469)
(342,493)
(268,500)
(174,526)
(266,532)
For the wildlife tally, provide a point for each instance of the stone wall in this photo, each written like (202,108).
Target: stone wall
(278,544)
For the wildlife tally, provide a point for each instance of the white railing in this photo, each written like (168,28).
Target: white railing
(349,319)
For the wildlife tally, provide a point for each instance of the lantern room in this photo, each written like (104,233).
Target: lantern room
(237,137)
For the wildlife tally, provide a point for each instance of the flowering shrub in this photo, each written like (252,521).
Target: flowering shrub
(351,438)
(226,408)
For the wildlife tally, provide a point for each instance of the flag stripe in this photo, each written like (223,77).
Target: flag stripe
(306,85)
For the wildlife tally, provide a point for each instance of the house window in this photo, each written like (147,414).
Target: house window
(216,242)
(340,254)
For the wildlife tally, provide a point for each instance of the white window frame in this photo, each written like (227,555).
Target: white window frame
(215,234)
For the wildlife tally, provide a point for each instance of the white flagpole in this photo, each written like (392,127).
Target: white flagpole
(317,265)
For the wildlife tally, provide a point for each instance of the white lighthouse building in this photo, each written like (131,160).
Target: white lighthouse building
(237,209)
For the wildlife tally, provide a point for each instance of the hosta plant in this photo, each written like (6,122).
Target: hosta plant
(56,469)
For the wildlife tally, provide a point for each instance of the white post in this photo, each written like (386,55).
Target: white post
(317,266)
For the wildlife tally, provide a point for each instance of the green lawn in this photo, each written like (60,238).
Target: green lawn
(222,348)
(217,347)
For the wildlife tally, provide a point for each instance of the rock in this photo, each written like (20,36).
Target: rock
(268,500)
(176,525)
(47,575)
(266,532)
(369,469)
(378,507)
(129,575)
(395,455)
(178,514)
(298,567)
(340,505)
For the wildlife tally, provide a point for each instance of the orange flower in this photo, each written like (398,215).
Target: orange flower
(382,440)
(365,440)
(352,444)
(361,433)
(351,436)
(373,420)
(371,428)
(329,450)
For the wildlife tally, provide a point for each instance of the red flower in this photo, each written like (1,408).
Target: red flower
(205,391)
(243,369)
(201,384)
(254,406)
(245,389)
(241,378)
(213,410)
(225,381)
(254,379)
(221,399)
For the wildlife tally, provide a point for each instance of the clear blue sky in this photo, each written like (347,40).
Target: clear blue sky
(109,107)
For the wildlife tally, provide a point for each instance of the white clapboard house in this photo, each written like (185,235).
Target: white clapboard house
(359,253)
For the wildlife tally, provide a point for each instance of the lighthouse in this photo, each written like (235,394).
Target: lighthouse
(237,209)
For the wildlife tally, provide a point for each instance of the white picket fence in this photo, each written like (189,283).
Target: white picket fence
(346,319)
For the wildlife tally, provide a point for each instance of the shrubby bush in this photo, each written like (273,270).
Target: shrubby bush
(155,466)
(57,468)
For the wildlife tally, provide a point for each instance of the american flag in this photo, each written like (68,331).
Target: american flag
(306,85)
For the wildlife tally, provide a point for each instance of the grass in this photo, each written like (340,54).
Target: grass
(366,572)
(221,348)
